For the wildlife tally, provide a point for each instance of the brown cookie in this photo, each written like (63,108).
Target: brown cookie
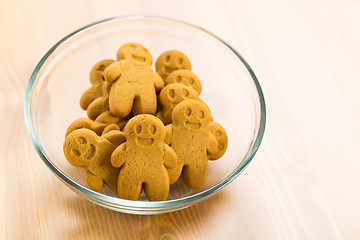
(84,148)
(96,79)
(144,159)
(135,51)
(134,88)
(170,61)
(190,137)
(97,127)
(186,77)
(170,96)
(220,134)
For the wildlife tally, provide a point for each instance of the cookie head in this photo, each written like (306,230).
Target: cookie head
(191,114)
(96,73)
(185,77)
(79,147)
(145,130)
(170,61)
(135,52)
(172,94)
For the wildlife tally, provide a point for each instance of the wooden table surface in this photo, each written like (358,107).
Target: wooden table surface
(304,182)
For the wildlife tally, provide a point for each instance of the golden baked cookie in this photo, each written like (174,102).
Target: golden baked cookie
(144,159)
(135,51)
(190,137)
(186,77)
(220,134)
(134,88)
(96,79)
(170,96)
(84,148)
(170,61)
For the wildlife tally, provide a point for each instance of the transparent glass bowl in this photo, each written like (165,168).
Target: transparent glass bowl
(230,89)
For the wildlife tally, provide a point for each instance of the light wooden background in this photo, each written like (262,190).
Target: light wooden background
(304,183)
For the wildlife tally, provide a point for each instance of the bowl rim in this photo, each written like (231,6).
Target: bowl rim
(114,201)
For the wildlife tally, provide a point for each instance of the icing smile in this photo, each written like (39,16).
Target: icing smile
(193,125)
(145,141)
(168,69)
(138,58)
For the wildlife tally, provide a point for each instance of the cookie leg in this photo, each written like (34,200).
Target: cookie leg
(129,188)
(194,175)
(175,173)
(157,188)
(145,103)
(94,182)
(121,100)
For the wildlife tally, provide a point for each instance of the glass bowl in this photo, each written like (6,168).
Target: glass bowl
(229,87)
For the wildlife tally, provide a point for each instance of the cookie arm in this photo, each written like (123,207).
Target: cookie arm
(212,147)
(168,130)
(118,156)
(158,82)
(170,157)
(112,72)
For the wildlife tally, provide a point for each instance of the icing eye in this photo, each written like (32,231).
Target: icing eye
(188,112)
(81,140)
(191,81)
(178,79)
(167,58)
(218,133)
(201,114)
(180,61)
(185,93)
(101,67)
(152,129)
(138,129)
(76,153)
(172,94)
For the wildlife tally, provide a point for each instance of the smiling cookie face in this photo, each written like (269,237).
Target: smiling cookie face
(80,147)
(135,52)
(171,61)
(191,114)
(145,130)
(185,77)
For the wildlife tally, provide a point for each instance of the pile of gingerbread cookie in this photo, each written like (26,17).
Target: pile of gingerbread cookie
(145,129)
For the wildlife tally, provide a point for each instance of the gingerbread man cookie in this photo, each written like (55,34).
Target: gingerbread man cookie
(170,96)
(96,79)
(190,137)
(84,148)
(136,52)
(134,88)
(144,159)
(186,77)
(170,61)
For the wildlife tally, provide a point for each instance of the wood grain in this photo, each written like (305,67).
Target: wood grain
(304,182)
